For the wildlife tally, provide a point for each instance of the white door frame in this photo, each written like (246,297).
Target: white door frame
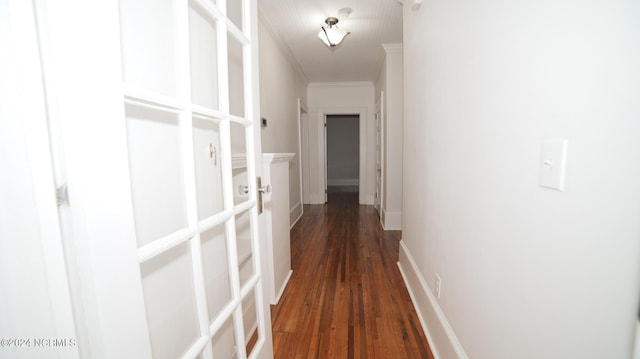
(265,309)
(380,154)
(322,114)
(303,154)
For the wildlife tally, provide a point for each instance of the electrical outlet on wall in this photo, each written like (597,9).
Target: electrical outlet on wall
(437,286)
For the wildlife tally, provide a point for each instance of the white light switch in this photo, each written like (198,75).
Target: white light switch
(552,163)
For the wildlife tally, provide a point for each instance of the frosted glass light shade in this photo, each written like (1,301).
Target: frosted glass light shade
(332,36)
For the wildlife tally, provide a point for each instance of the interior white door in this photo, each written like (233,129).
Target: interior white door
(326,159)
(161,135)
(377,201)
(303,164)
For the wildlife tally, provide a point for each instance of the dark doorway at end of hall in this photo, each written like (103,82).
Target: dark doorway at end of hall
(343,153)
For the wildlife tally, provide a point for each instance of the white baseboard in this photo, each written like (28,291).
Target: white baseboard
(370,198)
(636,348)
(284,285)
(343,182)
(391,220)
(295,213)
(317,198)
(442,339)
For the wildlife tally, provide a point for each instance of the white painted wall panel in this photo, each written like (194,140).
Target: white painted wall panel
(26,302)
(390,82)
(526,272)
(281,84)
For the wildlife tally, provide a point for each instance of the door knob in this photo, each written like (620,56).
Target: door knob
(261,190)
(244,189)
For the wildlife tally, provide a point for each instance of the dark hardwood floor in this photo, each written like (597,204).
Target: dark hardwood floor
(346,297)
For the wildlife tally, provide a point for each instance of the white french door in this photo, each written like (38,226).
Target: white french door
(188,106)
(162,173)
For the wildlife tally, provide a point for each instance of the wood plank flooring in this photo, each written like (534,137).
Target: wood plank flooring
(346,297)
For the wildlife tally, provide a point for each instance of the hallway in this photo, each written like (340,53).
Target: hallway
(346,297)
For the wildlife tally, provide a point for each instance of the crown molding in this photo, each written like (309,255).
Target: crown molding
(340,84)
(415,4)
(277,157)
(390,48)
(286,50)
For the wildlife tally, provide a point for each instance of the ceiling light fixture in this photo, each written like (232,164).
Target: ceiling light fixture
(332,36)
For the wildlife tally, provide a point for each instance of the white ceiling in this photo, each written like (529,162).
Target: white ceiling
(296,23)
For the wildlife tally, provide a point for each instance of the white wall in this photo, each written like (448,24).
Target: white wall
(36,300)
(26,305)
(281,84)
(341,98)
(390,82)
(343,150)
(526,272)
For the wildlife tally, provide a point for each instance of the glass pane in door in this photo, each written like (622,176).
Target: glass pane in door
(239,152)
(216,272)
(155,163)
(204,58)
(147,29)
(250,321)
(236,77)
(169,297)
(245,250)
(224,341)
(234,12)
(207,155)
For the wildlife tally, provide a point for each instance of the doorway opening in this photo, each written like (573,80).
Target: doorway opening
(342,143)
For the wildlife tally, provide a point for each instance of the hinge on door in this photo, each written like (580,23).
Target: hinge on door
(62,195)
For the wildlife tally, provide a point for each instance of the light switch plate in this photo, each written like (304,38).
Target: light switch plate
(553,163)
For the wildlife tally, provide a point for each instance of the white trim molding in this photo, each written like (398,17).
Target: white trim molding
(636,345)
(268,158)
(340,84)
(343,182)
(442,339)
(370,198)
(295,213)
(391,220)
(392,48)
(363,113)
(284,286)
